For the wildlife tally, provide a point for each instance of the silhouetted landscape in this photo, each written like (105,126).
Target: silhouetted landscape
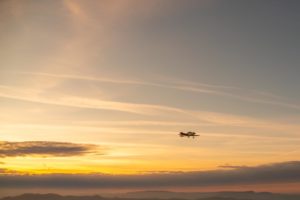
(156,195)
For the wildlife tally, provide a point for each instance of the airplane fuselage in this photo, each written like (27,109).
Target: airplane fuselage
(188,134)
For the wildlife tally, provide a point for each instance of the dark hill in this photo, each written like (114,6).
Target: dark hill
(156,195)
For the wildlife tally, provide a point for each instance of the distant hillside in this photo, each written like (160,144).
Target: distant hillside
(51,197)
(156,195)
(59,197)
(210,195)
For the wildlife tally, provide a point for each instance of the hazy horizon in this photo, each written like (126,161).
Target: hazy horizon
(94,93)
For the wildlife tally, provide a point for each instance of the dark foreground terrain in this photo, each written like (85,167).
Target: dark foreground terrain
(156,195)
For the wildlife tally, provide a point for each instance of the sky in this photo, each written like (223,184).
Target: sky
(99,90)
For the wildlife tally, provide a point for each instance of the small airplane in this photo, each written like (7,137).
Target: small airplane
(188,134)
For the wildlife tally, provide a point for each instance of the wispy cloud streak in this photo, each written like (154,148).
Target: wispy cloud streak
(212,118)
(220,90)
(81,102)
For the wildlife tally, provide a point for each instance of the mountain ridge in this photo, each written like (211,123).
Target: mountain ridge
(157,195)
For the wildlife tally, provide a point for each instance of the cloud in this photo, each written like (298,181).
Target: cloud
(287,172)
(8,171)
(212,89)
(232,166)
(213,118)
(76,10)
(82,102)
(45,149)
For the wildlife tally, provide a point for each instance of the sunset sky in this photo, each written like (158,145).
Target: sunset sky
(100,89)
